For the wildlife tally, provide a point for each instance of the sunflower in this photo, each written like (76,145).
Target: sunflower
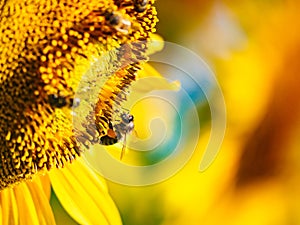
(46,47)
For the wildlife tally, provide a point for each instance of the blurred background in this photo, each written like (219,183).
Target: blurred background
(253,47)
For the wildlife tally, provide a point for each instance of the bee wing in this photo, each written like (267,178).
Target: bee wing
(134,136)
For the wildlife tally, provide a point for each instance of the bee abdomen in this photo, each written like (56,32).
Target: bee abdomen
(106,140)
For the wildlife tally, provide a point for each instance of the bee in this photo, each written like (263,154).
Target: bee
(119,132)
(59,101)
(118,22)
(140,5)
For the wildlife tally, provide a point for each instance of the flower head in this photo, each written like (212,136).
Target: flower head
(46,46)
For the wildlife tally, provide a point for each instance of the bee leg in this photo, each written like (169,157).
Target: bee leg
(123,148)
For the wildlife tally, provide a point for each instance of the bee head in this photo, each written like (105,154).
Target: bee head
(127,118)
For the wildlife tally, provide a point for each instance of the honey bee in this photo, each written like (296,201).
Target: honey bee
(119,132)
(140,5)
(118,22)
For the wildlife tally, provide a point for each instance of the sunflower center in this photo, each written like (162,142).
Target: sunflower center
(44,46)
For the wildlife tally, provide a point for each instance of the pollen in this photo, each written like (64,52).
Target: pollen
(43,44)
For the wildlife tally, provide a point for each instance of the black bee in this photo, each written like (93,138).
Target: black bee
(140,5)
(119,132)
(58,101)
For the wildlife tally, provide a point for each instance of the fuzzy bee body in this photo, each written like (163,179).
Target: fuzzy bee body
(140,5)
(118,21)
(107,140)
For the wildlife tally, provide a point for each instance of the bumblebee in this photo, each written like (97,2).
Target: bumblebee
(119,132)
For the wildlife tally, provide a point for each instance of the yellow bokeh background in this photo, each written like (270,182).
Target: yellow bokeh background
(253,47)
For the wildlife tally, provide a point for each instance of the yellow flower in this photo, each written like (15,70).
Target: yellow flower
(82,193)
(46,47)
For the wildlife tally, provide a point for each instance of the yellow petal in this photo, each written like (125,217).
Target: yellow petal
(9,210)
(44,183)
(156,44)
(33,205)
(26,207)
(41,201)
(148,71)
(84,195)
(149,80)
